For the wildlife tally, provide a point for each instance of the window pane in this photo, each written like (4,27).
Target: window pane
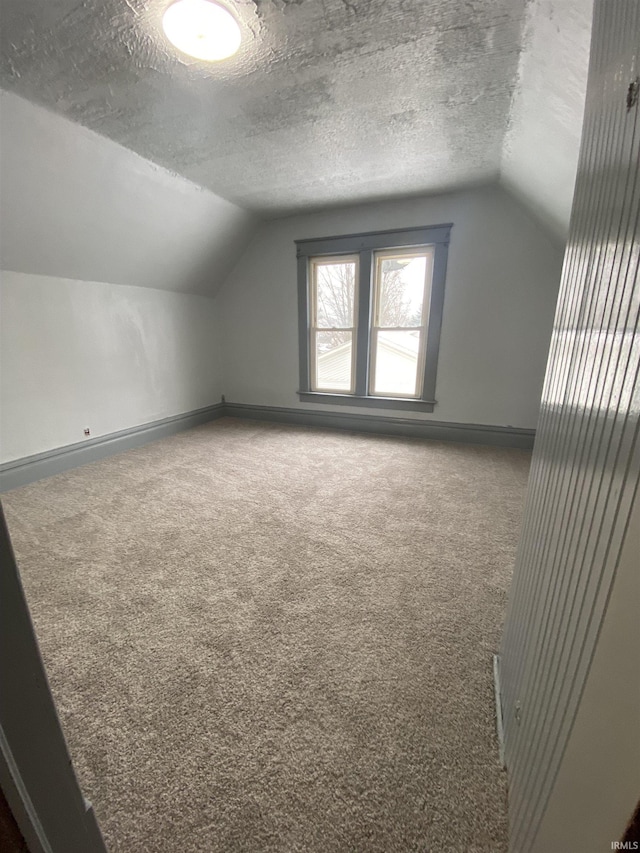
(333,361)
(335,294)
(396,363)
(401,291)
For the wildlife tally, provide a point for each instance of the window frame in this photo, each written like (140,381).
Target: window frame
(366,245)
(375,328)
(314,263)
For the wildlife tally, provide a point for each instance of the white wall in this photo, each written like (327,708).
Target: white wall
(77,205)
(77,354)
(502,282)
(598,783)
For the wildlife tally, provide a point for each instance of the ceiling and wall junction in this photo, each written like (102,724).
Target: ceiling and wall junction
(327,101)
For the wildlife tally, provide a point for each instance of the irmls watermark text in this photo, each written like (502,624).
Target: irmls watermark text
(625,845)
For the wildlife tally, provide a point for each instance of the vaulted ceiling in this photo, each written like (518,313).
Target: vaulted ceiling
(328,101)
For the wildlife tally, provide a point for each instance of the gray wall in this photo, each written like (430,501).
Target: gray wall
(78,354)
(585,472)
(101,252)
(502,281)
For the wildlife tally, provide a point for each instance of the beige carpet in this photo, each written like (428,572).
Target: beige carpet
(269,638)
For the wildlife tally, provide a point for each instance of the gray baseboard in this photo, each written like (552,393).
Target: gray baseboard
(20,472)
(383,425)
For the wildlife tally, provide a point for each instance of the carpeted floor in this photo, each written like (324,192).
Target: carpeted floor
(269,638)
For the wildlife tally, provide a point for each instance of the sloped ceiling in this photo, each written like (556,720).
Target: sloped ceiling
(76,205)
(327,102)
(541,146)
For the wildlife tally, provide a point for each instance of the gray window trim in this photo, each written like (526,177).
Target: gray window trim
(416,404)
(365,245)
(394,239)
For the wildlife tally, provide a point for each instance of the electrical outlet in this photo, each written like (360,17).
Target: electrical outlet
(222,399)
(518,712)
(87,431)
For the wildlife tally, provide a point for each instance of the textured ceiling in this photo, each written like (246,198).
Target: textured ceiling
(540,155)
(327,101)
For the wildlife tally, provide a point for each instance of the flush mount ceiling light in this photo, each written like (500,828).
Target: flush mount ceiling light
(202,28)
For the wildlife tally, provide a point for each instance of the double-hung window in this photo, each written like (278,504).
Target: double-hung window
(370,312)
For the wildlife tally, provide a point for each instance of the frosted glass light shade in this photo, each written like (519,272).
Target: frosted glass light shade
(202,29)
